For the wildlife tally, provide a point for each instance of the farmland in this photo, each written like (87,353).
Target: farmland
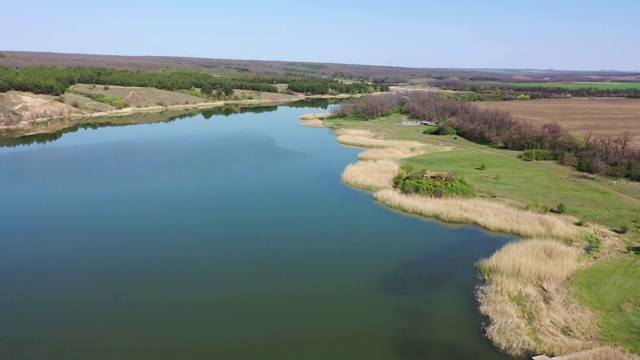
(599,116)
(583,85)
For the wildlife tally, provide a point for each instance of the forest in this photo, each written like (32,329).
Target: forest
(54,80)
(596,154)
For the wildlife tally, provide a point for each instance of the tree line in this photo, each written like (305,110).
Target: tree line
(56,80)
(499,91)
(596,154)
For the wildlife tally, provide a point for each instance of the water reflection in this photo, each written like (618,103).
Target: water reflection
(70,126)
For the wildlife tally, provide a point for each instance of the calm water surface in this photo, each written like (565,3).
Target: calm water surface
(223,238)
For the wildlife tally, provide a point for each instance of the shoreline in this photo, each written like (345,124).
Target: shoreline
(35,127)
(548,294)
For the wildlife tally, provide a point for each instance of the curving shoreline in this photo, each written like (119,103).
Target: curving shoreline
(528,315)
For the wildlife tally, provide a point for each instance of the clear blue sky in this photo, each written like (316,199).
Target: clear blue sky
(543,34)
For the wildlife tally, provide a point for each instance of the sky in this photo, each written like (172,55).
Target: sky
(541,34)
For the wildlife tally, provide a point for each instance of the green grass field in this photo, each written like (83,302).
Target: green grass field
(583,85)
(611,289)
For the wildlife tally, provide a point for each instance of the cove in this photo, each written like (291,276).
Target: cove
(223,236)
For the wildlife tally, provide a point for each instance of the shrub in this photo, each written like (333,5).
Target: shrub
(562,208)
(594,243)
(414,183)
(440,129)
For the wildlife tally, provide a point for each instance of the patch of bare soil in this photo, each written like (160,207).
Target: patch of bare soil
(16,107)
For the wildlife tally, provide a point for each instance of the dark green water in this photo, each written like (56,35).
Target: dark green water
(226,238)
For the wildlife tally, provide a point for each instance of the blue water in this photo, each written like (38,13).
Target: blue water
(223,238)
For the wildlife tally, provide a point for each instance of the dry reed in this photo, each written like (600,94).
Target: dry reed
(389,153)
(606,353)
(354,132)
(535,261)
(313,123)
(370,175)
(369,142)
(485,213)
(531,311)
(315,116)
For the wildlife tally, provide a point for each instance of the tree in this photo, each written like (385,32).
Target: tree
(206,89)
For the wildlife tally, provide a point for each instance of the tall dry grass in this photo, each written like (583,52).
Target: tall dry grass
(313,123)
(606,353)
(370,175)
(315,116)
(354,132)
(369,142)
(389,153)
(530,309)
(482,212)
(535,261)
(366,139)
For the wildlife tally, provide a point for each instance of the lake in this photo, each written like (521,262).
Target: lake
(223,237)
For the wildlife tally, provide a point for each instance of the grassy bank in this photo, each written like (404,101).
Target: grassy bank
(611,289)
(532,310)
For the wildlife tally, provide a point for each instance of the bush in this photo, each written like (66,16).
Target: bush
(416,184)
(594,243)
(562,208)
(440,129)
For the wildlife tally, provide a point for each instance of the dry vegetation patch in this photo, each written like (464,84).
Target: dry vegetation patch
(389,153)
(607,353)
(370,175)
(530,309)
(315,116)
(490,215)
(140,96)
(313,123)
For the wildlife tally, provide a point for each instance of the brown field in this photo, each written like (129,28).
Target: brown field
(599,116)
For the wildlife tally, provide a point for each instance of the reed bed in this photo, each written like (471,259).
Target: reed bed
(482,212)
(606,353)
(315,116)
(530,309)
(354,132)
(368,142)
(389,153)
(313,123)
(370,175)
(535,261)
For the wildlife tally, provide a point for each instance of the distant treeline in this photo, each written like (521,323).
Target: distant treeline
(55,80)
(498,91)
(595,154)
